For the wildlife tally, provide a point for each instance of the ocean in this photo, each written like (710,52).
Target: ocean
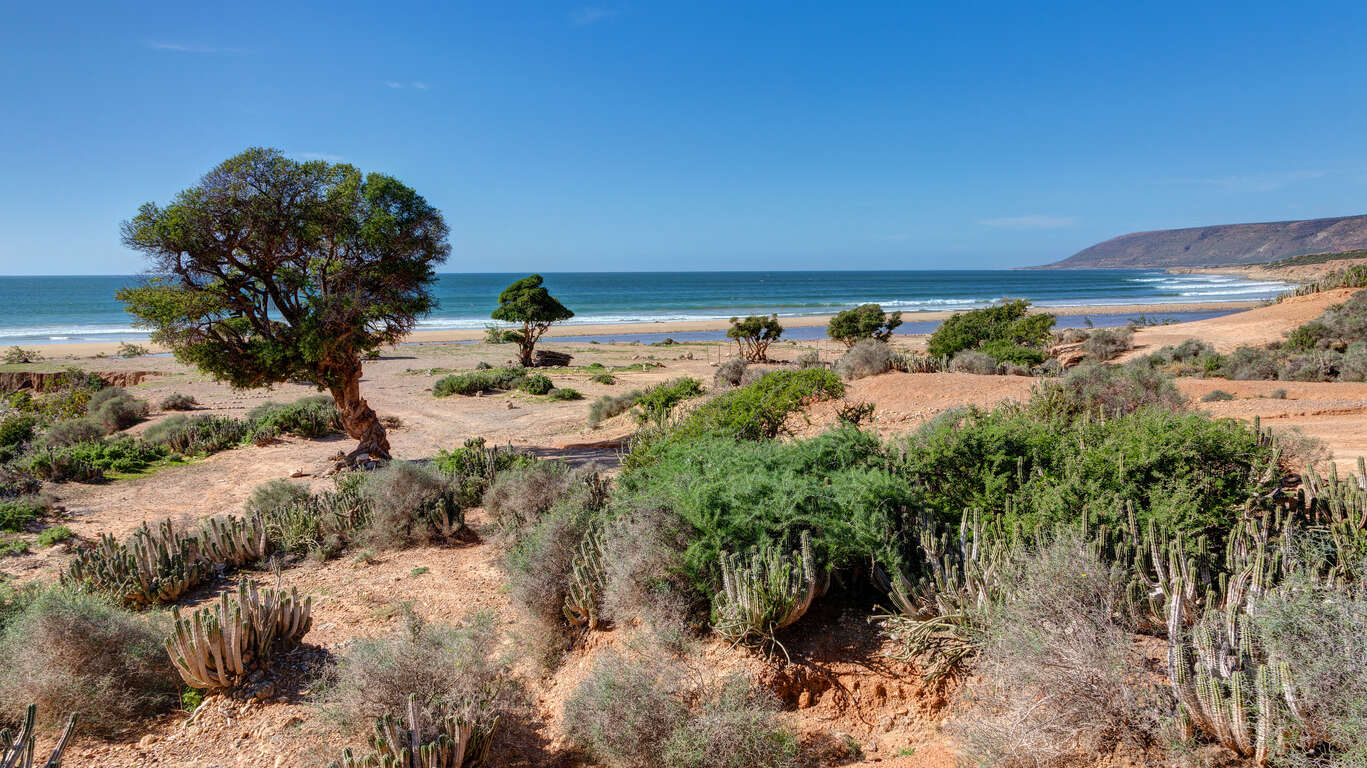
(45,310)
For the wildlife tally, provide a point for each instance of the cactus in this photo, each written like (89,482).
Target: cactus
(765,592)
(16,751)
(234,541)
(219,645)
(586,582)
(459,743)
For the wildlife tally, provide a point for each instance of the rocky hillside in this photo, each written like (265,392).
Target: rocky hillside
(1225,244)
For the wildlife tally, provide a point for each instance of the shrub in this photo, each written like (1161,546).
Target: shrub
(16,355)
(643,551)
(753,335)
(539,565)
(809,359)
(864,358)
(1277,394)
(1250,364)
(1007,321)
(72,431)
(478,381)
(1106,343)
(410,504)
(608,406)
(274,495)
(973,361)
(72,652)
(54,535)
(309,417)
(1316,366)
(1055,681)
(448,670)
(89,461)
(222,644)
(114,409)
(565,393)
(473,467)
(866,321)
(16,430)
(132,350)
(1218,396)
(730,372)
(536,384)
(195,435)
(641,712)
(761,410)
(1110,390)
(18,513)
(12,546)
(602,378)
(178,402)
(520,496)
(1011,353)
(657,403)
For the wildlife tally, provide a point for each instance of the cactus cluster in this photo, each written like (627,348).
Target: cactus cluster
(17,750)
(397,743)
(586,582)
(159,564)
(216,647)
(765,591)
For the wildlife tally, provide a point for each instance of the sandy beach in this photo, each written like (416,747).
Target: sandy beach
(77,350)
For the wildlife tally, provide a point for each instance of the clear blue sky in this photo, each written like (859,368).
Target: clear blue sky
(697,135)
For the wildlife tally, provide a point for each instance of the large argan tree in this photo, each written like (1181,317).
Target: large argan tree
(272,270)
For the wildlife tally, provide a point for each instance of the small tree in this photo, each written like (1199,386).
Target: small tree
(528,302)
(1007,322)
(753,336)
(863,322)
(272,270)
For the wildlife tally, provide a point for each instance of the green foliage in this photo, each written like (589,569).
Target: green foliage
(528,303)
(202,434)
(867,321)
(18,355)
(273,496)
(54,535)
(473,467)
(71,431)
(18,513)
(536,384)
(1106,390)
(478,381)
(132,350)
(754,334)
(1007,321)
(409,504)
(89,461)
(761,410)
(1004,351)
(12,546)
(603,378)
(565,393)
(310,417)
(16,429)
(1219,396)
(114,409)
(657,403)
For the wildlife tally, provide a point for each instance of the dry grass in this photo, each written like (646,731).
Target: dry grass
(866,358)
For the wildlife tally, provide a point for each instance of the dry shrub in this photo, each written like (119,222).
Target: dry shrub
(71,432)
(69,651)
(642,711)
(114,409)
(447,669)
(730,372)
(866,358)
(643,551)
(177,401)
(275,495)
(519,496)
(973,361)
(1104,344)
(538,566)
(1299,450)
(1056,679)
(1109,389)
(410,504)
(809,359)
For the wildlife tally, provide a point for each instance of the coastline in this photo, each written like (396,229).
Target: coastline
(75,350)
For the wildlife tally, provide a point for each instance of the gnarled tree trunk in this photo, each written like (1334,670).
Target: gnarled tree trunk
(358,419)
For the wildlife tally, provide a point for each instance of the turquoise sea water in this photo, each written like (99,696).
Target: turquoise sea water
(36,310)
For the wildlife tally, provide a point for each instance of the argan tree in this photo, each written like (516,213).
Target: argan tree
(528,302)
(754,334)
(272,270)
(866,321)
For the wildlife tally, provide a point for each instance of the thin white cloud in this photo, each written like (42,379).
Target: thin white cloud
(420,85)
(1251,182)
(416,85)
(162,45)
(393,84)
(592,15)
(1034,221)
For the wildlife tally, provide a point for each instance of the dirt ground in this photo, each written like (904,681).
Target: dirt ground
(842,693)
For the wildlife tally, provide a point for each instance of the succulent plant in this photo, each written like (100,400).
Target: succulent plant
(396,743)
(587,576)
(217,646)
(16,750)
(765,592)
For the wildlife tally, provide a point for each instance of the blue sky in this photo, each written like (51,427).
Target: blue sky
(697,135)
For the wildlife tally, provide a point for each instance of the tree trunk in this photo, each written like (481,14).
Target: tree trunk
(358,419)
(527,345)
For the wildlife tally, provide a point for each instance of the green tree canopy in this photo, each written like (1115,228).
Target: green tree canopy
(1004,324)
(529,303)
(866,321)
(754,334)
(272,270)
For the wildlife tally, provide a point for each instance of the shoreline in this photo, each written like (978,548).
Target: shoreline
(78,349)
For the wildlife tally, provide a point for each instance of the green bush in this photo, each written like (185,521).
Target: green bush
(1250,364)
(54,535)
(17,514)
(475,382)
(473,467)
(197,435)
(71,431)
(89,461)
(608,406)
(657,403)
(1107,390)
(602,378)
(761,410)
(564,394)
(536,384)
(1216,396)
(275,495)
(17,355)
(1007,321)
(410,504)
(114,409)
(309,417)
(866,321)
(1104,344)
(16,430)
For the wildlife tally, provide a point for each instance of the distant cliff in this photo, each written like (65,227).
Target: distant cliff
(1222,245)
